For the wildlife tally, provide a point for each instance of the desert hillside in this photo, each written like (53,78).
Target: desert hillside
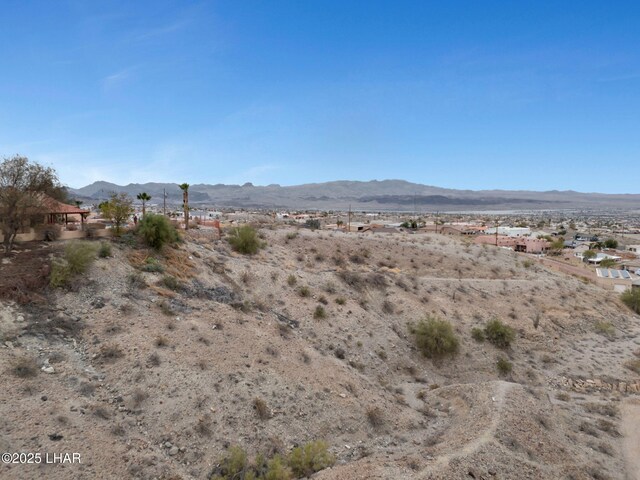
(157,364)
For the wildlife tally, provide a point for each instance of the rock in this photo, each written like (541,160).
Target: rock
(44,398)
(20,318)
(48,369)
(173,451)
(168,445)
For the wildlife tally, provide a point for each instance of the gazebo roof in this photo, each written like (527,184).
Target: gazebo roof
(53,206)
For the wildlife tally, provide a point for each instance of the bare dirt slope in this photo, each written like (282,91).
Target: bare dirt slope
(156,374)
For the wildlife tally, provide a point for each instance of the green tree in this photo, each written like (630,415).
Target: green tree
(185,203)
(144,197)
(611,243)
(22,185)
(117,210)
(589,254)
(556,246)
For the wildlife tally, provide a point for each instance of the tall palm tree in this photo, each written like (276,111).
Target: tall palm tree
(144,197)
(185,203)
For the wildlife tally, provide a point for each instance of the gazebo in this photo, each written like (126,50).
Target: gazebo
(53,208)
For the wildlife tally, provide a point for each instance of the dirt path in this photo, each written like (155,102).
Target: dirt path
(631,442)
(499,396)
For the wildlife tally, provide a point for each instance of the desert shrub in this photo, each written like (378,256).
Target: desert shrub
(605,328)
(504,366)
(172,283)
(104,250)
(375,416)
(245,240)
(388,307)
(136,281)
(302,462)
(312,223)
(310,458)
(157,231)
(631,298)
(291,280)
(499,334)
(261,408)
(435,338)
(633,365)
(319,313)
(152,265)
(110,353)
(24,367)
(76,259)
(477,334)
(341,300)
(304,291)
(291,235)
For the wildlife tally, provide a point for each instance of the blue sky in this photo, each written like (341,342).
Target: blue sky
(480,95)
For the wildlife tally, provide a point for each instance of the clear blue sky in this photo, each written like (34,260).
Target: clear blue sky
(478,94)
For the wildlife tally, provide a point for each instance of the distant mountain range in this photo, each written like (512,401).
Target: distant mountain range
(385,195)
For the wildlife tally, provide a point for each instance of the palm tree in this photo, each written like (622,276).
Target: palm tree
(185,203)
(144,197)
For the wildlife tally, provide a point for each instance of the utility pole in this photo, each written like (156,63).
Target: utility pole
(437,217)
(164,202)
(349,224)
(497,223)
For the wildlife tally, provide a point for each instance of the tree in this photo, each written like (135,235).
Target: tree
(185,203)
(611,243)
(22,186)
(589,254)
(556,246)
(144,197)
(117,210)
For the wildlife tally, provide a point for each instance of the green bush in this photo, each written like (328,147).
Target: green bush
(152,265)
(105,250)
(245,240)
(504,366)
(77,257)
(157,231)
(172,283)
(478,334)
(631,298)
(499,334)
(319,313)
(435,338)
(302,462)
(310,458)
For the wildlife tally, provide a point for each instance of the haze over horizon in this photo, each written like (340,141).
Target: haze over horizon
(463,95)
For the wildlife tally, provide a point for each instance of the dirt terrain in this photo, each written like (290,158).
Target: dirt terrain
(148,378)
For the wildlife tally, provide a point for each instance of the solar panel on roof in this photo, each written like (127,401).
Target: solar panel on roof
(603,272)
(625,274)
(614,273)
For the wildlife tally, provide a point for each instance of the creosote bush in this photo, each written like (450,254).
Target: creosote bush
(504,366)
(104,251)
(631,298)
(157,231)
(302,462)
(435,337)
(499,334)
(319,313)
(477,334)
(78,255)
(245,240)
